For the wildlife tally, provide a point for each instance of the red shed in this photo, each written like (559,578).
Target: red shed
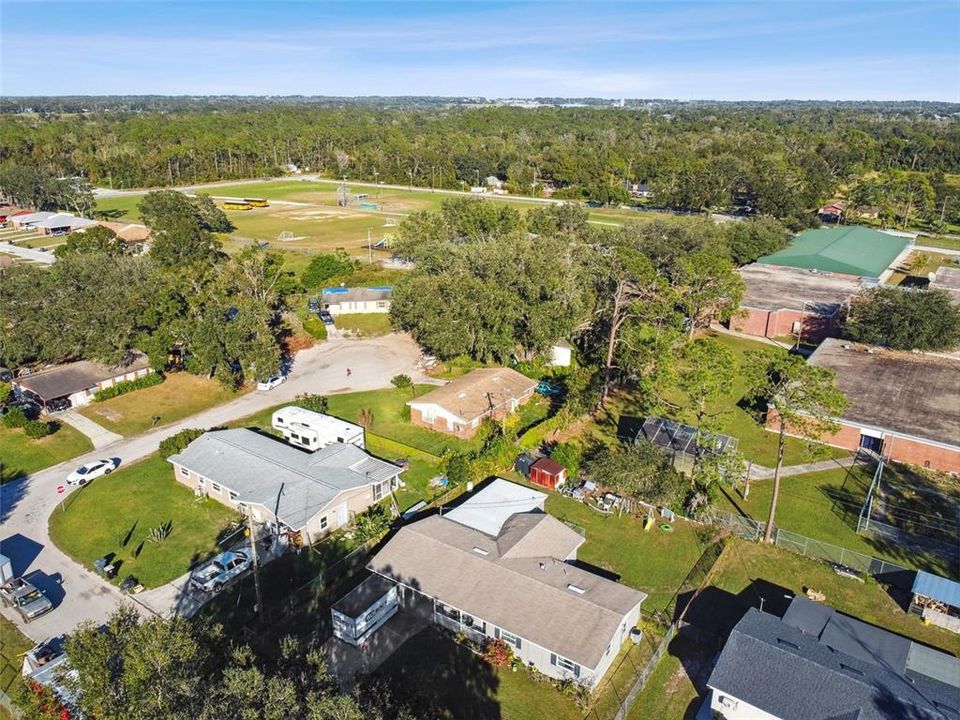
(548,473)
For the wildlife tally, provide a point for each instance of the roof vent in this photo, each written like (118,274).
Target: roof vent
(543,565)
(480,550)
(787,643)
(576,588)
(850,668)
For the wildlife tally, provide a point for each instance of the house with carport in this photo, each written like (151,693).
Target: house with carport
(303,495)
(75,384)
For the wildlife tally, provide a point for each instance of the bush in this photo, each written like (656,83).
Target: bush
(37,429)
(497,652)
(178,443)
(15,418)
(371,524)
(315,403)
(315,328)
(401,382)
(568,455)
(125,386)
(327,266)
(6,393)
(458,470)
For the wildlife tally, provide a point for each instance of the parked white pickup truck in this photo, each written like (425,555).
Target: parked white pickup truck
(213,576)
(25,599)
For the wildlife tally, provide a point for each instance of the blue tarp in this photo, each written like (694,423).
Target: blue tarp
(938,588)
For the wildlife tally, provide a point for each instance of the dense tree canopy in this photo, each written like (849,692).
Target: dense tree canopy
(905,319)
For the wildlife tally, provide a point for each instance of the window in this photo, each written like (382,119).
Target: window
(382,303)
(294,437)
(186,473)
(233,495)
(429,415)
(216,487)
(509,638)
(378,492)
(323,523)
(201,481)
(564,664)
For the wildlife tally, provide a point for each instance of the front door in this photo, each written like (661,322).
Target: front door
(871,444)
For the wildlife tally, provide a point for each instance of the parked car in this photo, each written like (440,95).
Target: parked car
(314,305)
(19,594)
(58,405)
(213,576)
(271,382)
(85,473)
(326,317)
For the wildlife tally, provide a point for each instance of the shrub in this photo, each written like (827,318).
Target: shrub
(37,429)
(401,382)
(6,393)
(458,470)
(497,652)
(178,443)
(568,455)
(315,328)
(327,266)
(125,386)
(371,524)
(314,403)
(15,418)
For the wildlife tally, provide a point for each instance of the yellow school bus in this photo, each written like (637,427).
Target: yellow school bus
(235,204)
(256,202)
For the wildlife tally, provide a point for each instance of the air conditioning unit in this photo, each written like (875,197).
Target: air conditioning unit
(729,702)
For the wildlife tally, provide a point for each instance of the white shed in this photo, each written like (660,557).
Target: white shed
(561,354)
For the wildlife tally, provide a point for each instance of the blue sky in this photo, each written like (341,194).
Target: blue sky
(684,50)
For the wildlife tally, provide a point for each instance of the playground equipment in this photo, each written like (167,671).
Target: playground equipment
(285,236)
(390,222)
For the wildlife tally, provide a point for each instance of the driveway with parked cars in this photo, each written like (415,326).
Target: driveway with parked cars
(77,592)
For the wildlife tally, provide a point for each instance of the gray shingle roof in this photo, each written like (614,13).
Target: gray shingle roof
(515,584)
(73,377)
(256,466)
(790,673)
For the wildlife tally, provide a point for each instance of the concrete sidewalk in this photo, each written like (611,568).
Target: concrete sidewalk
(99,435)
(759,472)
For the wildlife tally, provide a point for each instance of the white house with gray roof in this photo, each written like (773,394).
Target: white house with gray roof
(498,566)
(307,493)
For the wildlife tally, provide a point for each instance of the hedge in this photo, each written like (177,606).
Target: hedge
(37,429)
(315,328)
(125,386)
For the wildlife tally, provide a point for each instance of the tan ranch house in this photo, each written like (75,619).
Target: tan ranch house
(459,407)
(311,494)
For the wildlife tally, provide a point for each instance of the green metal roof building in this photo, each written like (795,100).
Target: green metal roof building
(851,250)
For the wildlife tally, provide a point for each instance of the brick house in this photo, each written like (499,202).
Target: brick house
(461,405)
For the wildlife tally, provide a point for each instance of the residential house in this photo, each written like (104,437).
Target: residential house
(494,183)
(787,302)
(855,251)
(342,300)
(640,190)
(26,220)
(867,212)
(832,211)
(300,493)
(62,224)
(75,384)
(459,407)
(498,567)
(313,431)
(902,406)
(134,235)
(817,664)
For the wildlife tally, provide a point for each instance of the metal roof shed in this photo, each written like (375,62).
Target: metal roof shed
(938,588)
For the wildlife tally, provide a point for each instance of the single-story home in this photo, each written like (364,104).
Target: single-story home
(867,212)
(948,278)
(132,234)
(783,301)
(459,407)
(851,250)
(310,494)
(936,600)
(25,220)
(62,224)
(492,181)
(7,211)
(902,406)
(817,664)
(76,383)
(498,567)
(832,211)
(341,300)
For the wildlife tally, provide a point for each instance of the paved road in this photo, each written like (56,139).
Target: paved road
(26,504)
(28,253)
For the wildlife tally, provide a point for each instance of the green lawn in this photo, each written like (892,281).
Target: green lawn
(364,324)
(940,242)
(444,680)
(825,506)
(13,644)
(670,692)
(21,455)
(421,469)
(177,397)
(115,514)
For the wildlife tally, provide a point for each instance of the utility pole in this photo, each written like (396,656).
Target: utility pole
(369,246)
(256,562)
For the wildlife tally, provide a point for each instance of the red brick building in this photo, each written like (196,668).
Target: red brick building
(459,407)
(782,302)
(903,406)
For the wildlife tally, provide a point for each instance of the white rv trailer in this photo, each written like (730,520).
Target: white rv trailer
(312,430)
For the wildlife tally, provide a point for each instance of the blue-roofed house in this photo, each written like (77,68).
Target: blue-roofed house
(937,600)
(342,300)
(818,664)
(310,493)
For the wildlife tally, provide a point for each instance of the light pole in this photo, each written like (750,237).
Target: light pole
(410,173)
(803,308)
